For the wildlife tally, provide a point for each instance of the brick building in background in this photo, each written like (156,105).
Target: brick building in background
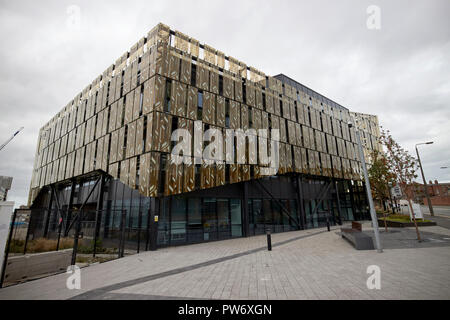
(439,193)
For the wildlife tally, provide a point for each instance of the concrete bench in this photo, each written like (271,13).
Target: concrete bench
(357,238)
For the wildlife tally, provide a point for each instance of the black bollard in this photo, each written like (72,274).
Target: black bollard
(328,223)
(269,240)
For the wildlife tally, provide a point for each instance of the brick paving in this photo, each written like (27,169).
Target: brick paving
(308,264)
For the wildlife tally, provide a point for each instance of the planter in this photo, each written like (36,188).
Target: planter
(399,224)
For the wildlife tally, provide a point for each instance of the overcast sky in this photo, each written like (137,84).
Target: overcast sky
(401,72)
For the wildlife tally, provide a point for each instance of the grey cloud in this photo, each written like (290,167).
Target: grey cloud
(400,72)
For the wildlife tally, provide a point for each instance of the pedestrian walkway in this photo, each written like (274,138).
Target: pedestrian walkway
(308,264)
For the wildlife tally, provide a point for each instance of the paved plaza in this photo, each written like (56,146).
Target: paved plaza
(308,264)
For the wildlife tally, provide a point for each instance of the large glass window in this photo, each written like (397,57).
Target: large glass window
(178,220)
(209,219)
(258,216)
(163,223)
(194,225)
(223,215)
(236,218)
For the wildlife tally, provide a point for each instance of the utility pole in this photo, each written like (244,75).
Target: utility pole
(9,140)
(368,191)
(430,206)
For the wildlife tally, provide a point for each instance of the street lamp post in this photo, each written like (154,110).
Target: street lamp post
(430,206)
(368,191)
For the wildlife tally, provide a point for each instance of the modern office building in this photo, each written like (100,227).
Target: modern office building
(109,154)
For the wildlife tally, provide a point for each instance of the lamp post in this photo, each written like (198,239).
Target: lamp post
(430,206)
(368,191)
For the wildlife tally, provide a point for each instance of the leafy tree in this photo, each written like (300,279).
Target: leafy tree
(402,165)
(380,177)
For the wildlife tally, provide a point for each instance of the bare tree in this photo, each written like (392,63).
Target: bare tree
(402,165)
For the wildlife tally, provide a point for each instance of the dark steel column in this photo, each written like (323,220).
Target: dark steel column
(154,212)
(47,216)
(300,201)
(245,217)
(69,208)
(98,216)
(338,201)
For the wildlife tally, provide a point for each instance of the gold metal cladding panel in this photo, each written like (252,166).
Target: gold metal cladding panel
(162,60)
(69,165)
(185,76)
(208,115)
(276,105)
(258,98)
(145,66)
(228,87)
(245,172)
(137,103)
(318,140)
(112,117)
(238,90)
(189,177)
(153,174)
(129,101)
(144,170)
(282,164)
(293,110)
(297,159)
(139,146)
(269,101)
(87,159)
(337,167)
(234,173)
(131,139)
(202,77)
(149,95)
(214,81)
(250,95)
(286,111)
(118,84)
(235,120)
(312,143)
(114,144)
(220,175)
(150,132)
(114,170)
(283,135)
(178,99)
(305,164)
(192,103)
(298,134)
(121,144)
(171,175)
(62,168)
(132,173)
(124,171)
(244,117)
(63,150)
(291,133)
(120,113)
(134,74)
(102,123)
(257,121)
(174,66)
(289,158)
(105,155)
(127,80)
(220,111)
(160,92)
(100,151)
